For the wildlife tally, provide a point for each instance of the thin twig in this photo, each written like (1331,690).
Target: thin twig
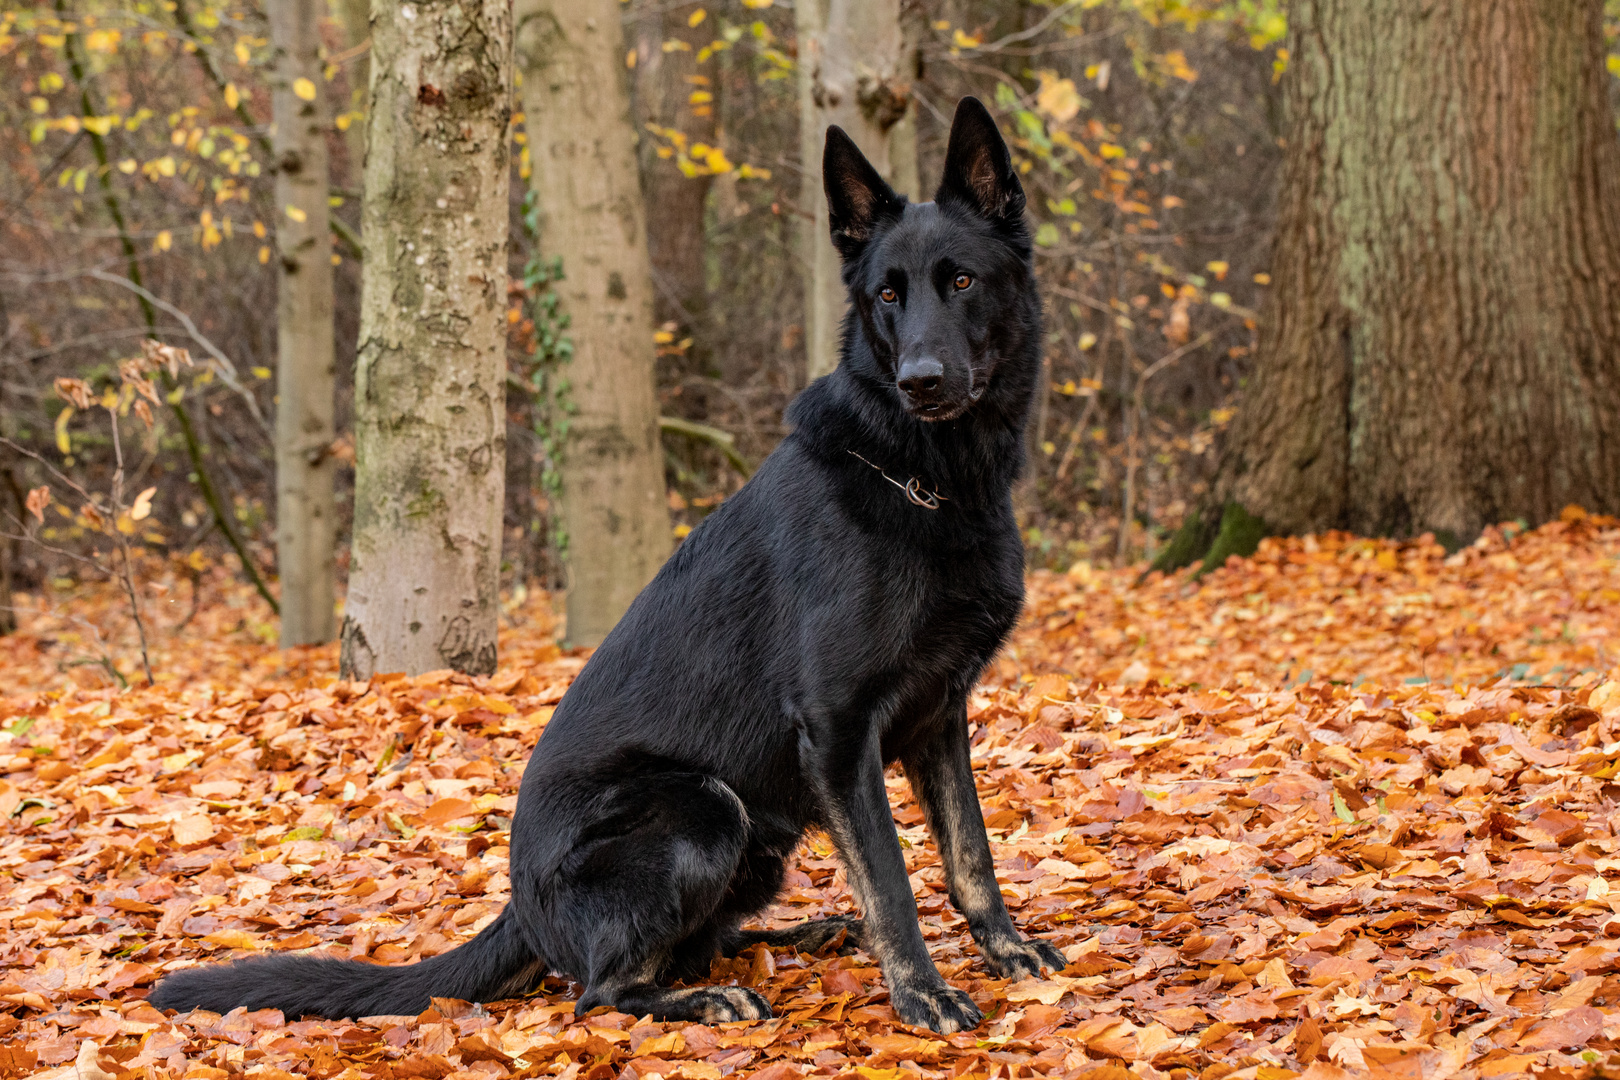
(228,373)
(723,441)
(1133,433)
(188,432)
(128,575)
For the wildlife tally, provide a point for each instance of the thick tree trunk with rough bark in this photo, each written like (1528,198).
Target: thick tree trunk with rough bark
(615,517)
(856,65)
(430,402)
(305,360)
(1443,348)
(673,91)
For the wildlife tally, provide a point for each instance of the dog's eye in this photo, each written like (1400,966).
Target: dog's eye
(888,295)
(962,281)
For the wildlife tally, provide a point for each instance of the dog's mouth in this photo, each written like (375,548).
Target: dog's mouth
(936,411)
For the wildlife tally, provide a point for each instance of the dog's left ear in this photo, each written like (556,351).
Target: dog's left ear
(978,170)
(858,199)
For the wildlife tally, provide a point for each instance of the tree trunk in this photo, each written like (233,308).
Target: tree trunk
(430,401)
(304,327)
(665,83)
(615,519)
(854,71)
(1440,351)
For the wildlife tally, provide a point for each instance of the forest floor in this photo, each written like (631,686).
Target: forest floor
(1347,807)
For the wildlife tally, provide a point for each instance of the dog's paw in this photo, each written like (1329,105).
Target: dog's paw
(1023,959)
(727,1004)
(940,1008)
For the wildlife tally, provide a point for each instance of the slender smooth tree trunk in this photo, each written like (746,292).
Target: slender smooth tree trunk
(615,518)
(673,91)
(430,399)
(304,327)
(1441,349)
(855,70)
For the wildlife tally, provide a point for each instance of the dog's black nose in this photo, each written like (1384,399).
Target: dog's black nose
(921,379)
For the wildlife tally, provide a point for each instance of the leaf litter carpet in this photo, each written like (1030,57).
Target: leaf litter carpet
(1345,808)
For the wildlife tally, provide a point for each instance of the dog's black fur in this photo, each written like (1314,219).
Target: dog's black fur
(819,625)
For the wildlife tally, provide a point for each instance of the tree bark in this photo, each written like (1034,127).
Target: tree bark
(430,402)
(855,71)
(304,327)
(665,83)
(1440,350)
(615,519)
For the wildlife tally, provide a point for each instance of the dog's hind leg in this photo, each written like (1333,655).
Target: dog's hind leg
(639,893)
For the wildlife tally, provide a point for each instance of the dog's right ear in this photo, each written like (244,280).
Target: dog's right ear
(858,199)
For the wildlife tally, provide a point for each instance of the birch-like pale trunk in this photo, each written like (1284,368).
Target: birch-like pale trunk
(576,102)
(304,327)
(430,399)
(855,70)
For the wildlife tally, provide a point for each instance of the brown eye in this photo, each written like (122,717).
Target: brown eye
(962,281)
(888,295)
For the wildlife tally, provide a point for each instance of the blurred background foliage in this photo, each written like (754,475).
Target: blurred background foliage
(136,200)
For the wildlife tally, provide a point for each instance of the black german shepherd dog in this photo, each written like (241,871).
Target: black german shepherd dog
(828,619)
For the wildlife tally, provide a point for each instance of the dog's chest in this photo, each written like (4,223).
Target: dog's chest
(968,606)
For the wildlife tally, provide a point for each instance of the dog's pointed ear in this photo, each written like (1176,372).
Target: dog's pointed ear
(858,199)
(979,173)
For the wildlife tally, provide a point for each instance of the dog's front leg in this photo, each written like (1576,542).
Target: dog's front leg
(858,816)
(941,774)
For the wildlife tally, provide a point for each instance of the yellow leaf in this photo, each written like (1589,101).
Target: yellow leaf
(965,41)
(757,5)
(1219,268)
(63,442)
(127,166)
(194,830)
(670,1042)
(261,373)
(264,255)
(304,90)
(681,530)
(1057,98)
(697,17)
(163,241)
(234,939)
(296,214)
(232,97)
(716,160)
(143,505)
(630,59)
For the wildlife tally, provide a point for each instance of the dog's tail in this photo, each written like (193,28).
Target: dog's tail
(495,964)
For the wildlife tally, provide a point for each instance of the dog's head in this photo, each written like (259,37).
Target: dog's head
(937,287)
